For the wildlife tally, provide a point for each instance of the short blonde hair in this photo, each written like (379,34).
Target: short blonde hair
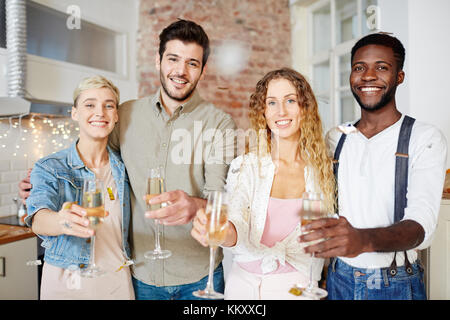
(95,82)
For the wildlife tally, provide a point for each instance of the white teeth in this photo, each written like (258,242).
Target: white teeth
(368,89)
(98,124)
(283,122)
(179,81)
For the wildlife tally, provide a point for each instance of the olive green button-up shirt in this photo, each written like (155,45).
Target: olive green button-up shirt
(194,146)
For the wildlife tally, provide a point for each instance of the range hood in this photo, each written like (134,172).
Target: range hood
(16,103)
(50,108)
(16,106)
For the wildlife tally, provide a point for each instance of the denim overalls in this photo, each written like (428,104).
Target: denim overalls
(58,178)
(345,282)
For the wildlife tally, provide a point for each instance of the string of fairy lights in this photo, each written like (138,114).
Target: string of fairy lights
(35,136)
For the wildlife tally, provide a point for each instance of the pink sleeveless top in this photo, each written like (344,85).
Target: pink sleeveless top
(283,215)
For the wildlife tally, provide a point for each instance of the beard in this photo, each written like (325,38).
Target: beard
(385,99)
(170,95)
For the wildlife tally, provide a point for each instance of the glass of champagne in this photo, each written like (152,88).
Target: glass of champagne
(93,201)
(156,186)
(313,208)
(216,225)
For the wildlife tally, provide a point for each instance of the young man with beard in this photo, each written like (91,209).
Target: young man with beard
(390,174)
(169,130)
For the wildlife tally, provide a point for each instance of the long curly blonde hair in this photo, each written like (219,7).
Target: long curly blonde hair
(311,144)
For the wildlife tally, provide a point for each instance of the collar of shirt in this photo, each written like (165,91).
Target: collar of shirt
(185,108)
(75,162)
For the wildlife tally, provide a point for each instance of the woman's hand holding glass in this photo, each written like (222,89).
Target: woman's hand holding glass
(72,221)
(200,232)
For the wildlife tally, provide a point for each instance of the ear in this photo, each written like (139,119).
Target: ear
(203,71)
(400,77)
(74,113)
(157,62)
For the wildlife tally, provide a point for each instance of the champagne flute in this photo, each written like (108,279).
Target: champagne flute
(156,186)
(93,202)
(313,208)
(216,225)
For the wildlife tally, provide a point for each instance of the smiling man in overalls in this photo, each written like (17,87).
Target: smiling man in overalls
(390,173)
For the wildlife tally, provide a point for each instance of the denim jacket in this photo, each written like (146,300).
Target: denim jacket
(58,178)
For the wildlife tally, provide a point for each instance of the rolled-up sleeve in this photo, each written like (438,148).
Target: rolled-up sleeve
(45,193)
(221,152)
(426,180)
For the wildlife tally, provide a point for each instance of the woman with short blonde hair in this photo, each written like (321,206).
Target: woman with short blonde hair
(55,217)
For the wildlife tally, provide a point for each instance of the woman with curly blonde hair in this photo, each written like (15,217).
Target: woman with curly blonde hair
(287,158)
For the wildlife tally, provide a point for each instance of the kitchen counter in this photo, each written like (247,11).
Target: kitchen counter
(11,220)
(11,233)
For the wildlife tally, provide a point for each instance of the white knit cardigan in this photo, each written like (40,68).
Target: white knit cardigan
(249,183)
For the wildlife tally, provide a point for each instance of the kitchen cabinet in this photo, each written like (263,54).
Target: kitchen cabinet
(18,281)
(438,257)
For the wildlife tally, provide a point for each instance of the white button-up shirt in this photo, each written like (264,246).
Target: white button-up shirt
(366,180)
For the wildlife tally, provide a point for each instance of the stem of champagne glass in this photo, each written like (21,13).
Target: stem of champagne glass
(157,244)
(92,258)
(209,284)
(310,284)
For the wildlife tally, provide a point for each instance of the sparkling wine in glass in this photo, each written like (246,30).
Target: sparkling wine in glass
(93,201)
(216,224)
(313,208)
(156,186)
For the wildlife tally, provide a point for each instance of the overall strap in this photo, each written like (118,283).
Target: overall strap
(401,182)
(401,168)
(337,154)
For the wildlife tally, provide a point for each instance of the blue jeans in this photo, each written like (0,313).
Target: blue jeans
(345,282)
(144,291)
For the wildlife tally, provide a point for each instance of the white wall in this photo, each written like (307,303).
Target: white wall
(394,18)
(429,52)
(423,26)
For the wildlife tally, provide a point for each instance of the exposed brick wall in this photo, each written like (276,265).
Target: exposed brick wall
(262,25)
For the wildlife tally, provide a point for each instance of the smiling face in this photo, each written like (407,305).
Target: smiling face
(374,77)
(96,113)
(282,109)
(180,70)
